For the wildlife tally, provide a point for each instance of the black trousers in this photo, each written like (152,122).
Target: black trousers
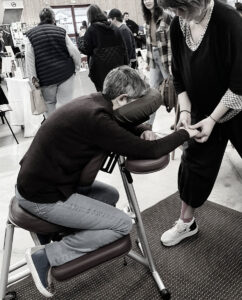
(200,163)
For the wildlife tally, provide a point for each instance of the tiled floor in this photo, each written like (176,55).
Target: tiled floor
(149,188)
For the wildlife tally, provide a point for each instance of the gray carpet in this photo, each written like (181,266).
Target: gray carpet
(205,267)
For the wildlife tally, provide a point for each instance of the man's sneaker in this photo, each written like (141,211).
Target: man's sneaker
(179,232)
(40,269)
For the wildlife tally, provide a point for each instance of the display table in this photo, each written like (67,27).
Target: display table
(19,101)
(6,64)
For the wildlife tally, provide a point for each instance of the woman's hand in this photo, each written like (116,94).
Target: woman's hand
(205,127)
(185,119)
(149,135)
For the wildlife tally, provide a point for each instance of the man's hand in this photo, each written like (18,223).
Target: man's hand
(205,127)
(149,135)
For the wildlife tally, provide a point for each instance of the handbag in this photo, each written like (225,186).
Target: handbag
(38,105)
(168,93)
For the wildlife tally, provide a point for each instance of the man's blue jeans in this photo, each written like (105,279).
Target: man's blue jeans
(91,211)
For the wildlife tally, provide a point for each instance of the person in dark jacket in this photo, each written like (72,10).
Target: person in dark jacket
(49,185)
(104,45)
(134,27)
(83,29)
(116,18)
(51,61)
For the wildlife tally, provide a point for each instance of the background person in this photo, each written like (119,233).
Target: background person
(134,27)
(83,29)
(157,43)
(206,39)
(116,18)
(51,61)
(2,43)
(48,183)
(104,46)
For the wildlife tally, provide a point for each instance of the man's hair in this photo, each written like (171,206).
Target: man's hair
(95,14)
(47,16)
(115,13)
(124,80)
(186,4)
(125,13)
(158,11)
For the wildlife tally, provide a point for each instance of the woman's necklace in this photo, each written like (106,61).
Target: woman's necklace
(186,28)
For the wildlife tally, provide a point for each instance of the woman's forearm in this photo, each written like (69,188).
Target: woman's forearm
(219,111)
(184,101)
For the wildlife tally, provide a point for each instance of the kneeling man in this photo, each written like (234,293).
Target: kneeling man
(48,183)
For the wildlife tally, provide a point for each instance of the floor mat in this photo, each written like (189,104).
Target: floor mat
(203,267)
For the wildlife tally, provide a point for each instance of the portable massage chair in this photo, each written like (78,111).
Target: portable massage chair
(132,114)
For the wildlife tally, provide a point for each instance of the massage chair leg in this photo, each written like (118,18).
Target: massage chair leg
(147,258)
(144,246)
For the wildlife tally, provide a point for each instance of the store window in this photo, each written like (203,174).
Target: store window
(70,18)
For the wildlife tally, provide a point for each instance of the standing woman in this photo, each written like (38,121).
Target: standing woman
(206,40)
(104,46)
(157,43)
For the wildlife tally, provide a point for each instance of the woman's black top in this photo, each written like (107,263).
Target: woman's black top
(106,49)
(216,66)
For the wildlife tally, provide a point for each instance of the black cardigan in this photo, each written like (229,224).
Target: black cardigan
(106,49)
(216,66)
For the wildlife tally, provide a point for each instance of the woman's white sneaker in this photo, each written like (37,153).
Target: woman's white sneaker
(179,232)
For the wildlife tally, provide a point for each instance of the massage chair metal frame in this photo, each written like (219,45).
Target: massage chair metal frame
(121,246)
(146,259)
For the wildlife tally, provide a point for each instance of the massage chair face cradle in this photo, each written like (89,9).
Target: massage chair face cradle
(132,114)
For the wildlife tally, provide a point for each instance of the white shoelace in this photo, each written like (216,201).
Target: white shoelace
(180,226)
